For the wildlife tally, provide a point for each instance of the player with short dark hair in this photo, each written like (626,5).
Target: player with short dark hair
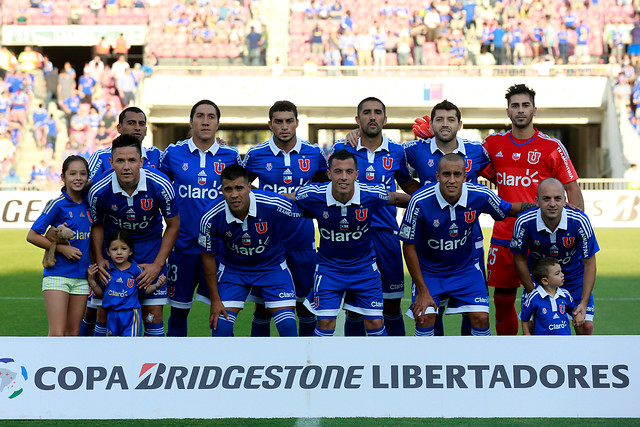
(554,230)
(251,253)
(137,200)
(194,165)
(344,209)
(437,232)
(283,164)
(521,158)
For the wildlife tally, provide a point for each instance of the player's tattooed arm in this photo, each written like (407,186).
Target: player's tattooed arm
(410,186)
(518,208)
(400,200)
(320,176)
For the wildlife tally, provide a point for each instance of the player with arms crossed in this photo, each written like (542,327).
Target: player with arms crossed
(383,162)
(437,232)
(554,230)
(521,158)
(346,266)
(251,253)
(283,164)
(424,154)
(136,200)
(194,165)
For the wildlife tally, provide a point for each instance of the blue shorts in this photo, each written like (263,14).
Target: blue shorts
(185,275)
(145,253)
(576,294)
(361,291)
(124,323)
(275,287)
(479,255)
(302,264)
(467,292)
(389,260)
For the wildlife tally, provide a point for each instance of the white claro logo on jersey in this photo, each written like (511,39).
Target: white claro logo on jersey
(518,181)
(560,326)
(139,225)
(343,236)
(246,251)
(449,245)
(191,192)
(281,189)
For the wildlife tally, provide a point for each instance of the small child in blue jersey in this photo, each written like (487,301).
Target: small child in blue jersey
(120,296)
(549,305)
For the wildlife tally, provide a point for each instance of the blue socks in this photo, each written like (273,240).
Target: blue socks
(306,325)
(377,332)
(285,321)
(225,326)
(394,325)
(322,333)
(100,330)
(425,332)
(465,327)
(354,327)
(177,325)
(87,329)
(153,329)
(261,326)
(480,332)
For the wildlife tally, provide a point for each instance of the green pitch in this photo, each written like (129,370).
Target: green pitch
(22,310)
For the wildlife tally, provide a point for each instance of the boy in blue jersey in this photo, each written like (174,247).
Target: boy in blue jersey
(423,155)
(250,251)
(283,164)
(553,230)
(194,165)
(346,265)
(549,304)
(136,200)
(383,162)
(437,231)
(131,121)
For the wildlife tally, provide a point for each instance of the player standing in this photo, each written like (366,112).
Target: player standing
(383,162)
(136,200)
(283,164)
(194,165)
(553,230)
(251,253)
(346,265)
(521,158)
(437,232)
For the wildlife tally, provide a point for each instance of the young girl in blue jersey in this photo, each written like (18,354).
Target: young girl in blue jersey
(120,296)
(64,286)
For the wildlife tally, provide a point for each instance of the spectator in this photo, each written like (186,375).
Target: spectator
(40,127)
(498,38)
(404,47)
(10,178)
(379,48)
(121,46)
(632,175)
(563,44)
(364,48)
(254,42)
(317,46)
(119,67)
(86,85)
(332,59)
(126,86)
(419,33)
(52,132)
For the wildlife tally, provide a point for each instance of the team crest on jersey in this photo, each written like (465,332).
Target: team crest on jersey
(229,233)
(185,166)
(387,163)
(430,163)
(70,214)
(470,216)
(325,214)
(344,224)
(130,283)
(553,251)
(304,164)
(544,310)
(436,223)
(131,214)
(114,207)
(562,308)
(146,204)
(202,178)
(468,168)
(269,166)
(246,239)
(568,241)
(453,230)
(287,177)
(261,227)
(361,214)
(371,173)
(536,242)
(219,167)
(515,156)
(534,157)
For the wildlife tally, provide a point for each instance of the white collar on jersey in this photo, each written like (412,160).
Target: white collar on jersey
(462,201)
(253,211)
(544,294)
(384,146)
(144,153)
(541,226)
(277,150)
(142,184)
(213,149)
(459,149)
(355,199)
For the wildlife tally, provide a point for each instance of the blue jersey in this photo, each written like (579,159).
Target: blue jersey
(583,34)
(99,161)
(196,180)
(121,292)
(441,232)
(572,241)
(549,312)
(253,245)
(58,211)
(345,229)
(72,103)
(423,155)
(385,165)
(141,213)
(86,84)
(282,172)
